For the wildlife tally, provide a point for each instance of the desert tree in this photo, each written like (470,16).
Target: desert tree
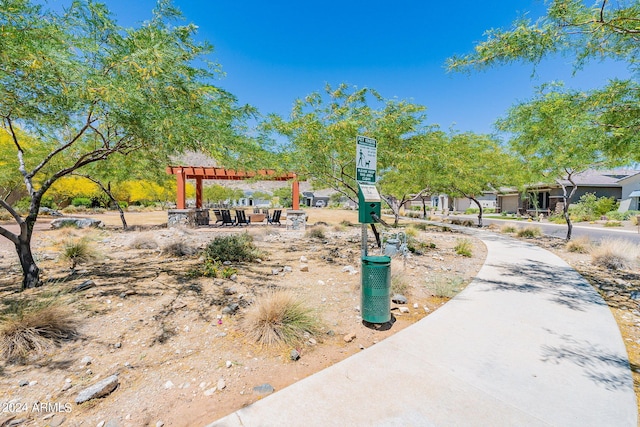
(88,89)
(601,30)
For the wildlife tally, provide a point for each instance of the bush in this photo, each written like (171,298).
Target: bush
(615,254)
(77,251)
(178,249)
(508,229)
(463,247)
(280,317)
(232,248)
(144,241)
(398,283)
(316,232)
(529,232)
(613,224)
(81,201)
(31,329)
(443,287)
(590,207)
(579,245)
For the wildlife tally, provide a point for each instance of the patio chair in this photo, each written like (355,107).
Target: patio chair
(218,215)
(241,218)
(275,219)
(226,218)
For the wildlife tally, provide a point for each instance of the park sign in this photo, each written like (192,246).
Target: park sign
(366,155)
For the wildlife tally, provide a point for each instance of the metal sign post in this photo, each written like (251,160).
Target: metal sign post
(366,158)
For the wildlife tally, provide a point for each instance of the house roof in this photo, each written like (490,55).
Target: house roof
(600,178)
(635,194)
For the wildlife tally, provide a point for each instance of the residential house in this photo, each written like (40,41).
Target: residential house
(630,199)
(548,198)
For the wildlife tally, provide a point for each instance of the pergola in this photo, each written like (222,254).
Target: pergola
(183,173)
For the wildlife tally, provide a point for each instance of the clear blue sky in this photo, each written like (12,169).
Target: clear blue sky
(274,52)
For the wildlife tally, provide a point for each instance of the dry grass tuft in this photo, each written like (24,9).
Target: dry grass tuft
(580,245)
(77,251)
(615,254)
(529,232)
(508,229)
(178,249)
(33,331)
(280,317)
(144,241)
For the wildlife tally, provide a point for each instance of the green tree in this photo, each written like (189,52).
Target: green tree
(322,130)
(554,141)
(605,30)
(468,164)
(88,89)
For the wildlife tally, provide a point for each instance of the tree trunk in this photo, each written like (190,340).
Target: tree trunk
(479,210)
(30,271)
(115,202)
(567,218)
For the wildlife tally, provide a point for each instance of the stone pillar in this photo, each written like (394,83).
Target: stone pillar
(296,219)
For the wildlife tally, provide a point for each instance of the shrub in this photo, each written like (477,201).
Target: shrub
(398,283)
(77,251)
(144,241)
(178,249)
(579,245)
(557,219)
(316,232)
(81,201)
(280,317)
(31,330)
(411,231)
(212,268)
(615,254)
(470,211)
(613,224)
(529,232)
(233,248)
(508,229)
(463,247)
(443,287)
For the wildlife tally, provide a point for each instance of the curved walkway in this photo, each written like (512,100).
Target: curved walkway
(528,343)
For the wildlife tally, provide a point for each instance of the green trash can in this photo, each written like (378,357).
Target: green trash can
(375,289)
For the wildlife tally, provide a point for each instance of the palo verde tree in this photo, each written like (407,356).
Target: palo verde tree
(322,130)
(601,30)
(413,172)
(468,164)
(553,137)
(88,89)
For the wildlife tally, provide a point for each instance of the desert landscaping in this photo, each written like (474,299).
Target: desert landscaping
(176,340)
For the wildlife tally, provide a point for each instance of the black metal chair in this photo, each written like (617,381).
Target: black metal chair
(218,215)
(226,218)
(275,218)
(241,218)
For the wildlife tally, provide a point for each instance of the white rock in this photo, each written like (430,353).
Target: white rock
(210,391)
(168,385)
(221,384)
(229,363)
(303,259)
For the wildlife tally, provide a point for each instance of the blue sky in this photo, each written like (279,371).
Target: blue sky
(274,52)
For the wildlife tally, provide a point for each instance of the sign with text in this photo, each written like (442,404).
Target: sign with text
(366,155)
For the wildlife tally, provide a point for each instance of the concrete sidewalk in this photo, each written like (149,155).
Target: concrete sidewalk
(528,343)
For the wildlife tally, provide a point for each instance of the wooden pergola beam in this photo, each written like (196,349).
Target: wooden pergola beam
(183,173)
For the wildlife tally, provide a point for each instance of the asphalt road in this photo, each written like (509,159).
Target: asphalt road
(595,232)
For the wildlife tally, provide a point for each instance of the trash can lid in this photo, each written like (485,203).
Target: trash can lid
(376,260)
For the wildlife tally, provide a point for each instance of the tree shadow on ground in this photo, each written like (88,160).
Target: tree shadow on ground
(562,285)
(601,365)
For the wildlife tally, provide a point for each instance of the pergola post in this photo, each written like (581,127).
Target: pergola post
(199,192)
(295,192)
(181,194)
